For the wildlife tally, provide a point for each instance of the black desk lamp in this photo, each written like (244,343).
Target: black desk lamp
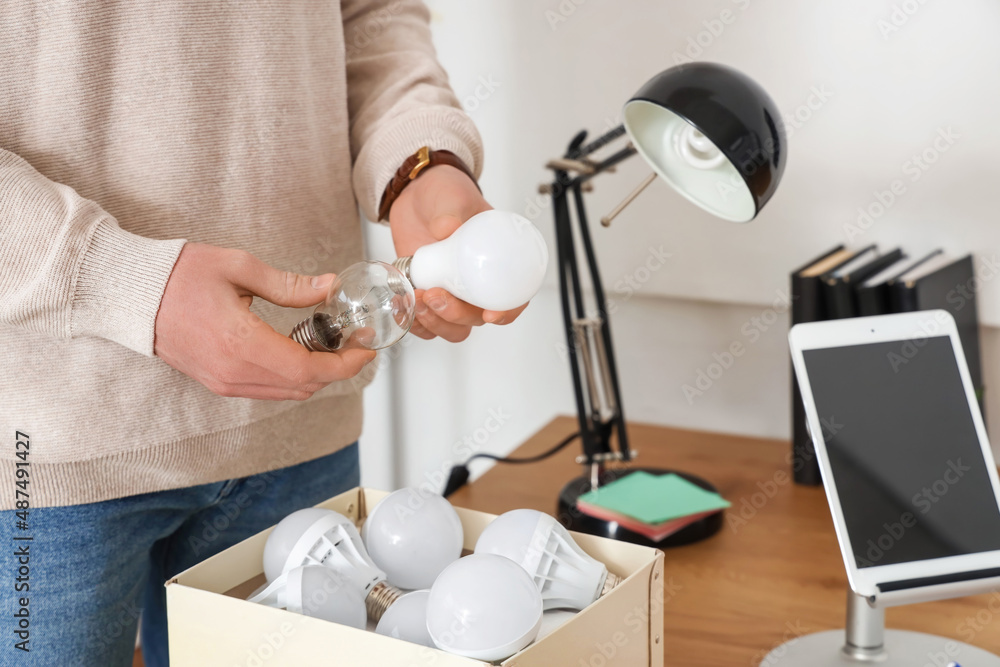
(716,137)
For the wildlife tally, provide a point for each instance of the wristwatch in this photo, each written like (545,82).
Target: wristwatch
(412,167)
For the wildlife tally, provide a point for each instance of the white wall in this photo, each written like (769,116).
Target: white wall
(533,73)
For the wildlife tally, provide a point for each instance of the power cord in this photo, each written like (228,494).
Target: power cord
(459,475)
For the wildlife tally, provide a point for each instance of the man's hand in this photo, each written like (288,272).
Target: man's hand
(205,329)
(430,209)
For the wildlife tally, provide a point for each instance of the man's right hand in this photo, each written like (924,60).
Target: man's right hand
(205,329)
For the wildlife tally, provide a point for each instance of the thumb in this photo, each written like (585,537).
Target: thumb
(282,288)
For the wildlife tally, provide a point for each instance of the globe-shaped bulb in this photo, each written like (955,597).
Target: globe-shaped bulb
(285,535)
(496,260)
(406,619)
(412,537)
(369,305)
(566,576)
(320,592)
(316,536)
(484,607)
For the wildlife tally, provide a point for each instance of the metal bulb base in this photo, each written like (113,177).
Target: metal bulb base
(610,582)
(304,334)
(402,264)
(380,598)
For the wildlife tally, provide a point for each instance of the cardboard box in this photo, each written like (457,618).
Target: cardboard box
(210,622)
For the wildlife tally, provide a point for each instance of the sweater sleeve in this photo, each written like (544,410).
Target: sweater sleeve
(398,95)
(66,267)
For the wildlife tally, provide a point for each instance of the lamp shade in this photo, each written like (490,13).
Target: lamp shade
(713,134)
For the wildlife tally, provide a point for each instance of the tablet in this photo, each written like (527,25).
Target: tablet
(906,463)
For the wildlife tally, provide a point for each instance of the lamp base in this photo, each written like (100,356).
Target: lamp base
(901,649)
(576,520)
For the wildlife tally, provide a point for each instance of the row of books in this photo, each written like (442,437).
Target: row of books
(847,282)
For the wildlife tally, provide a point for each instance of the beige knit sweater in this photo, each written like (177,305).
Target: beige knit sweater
(129,126)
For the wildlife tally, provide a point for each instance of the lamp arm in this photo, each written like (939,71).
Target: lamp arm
(607,164)
(606,350)
(596,144)
(569,281)
(595,385)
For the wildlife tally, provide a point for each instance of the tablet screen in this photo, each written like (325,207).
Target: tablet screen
(903,449)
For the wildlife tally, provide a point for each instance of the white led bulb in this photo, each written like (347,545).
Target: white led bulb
(484,607)
(566,576)
(412,537)
(496,260)
(316,591)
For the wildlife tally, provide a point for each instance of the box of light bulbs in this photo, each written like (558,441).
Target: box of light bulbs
(370,578)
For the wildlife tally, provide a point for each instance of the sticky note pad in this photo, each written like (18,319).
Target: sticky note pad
(654,498)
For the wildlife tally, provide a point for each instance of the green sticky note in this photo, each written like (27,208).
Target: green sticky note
(654,498)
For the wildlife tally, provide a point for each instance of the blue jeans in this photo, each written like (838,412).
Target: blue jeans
(94,567)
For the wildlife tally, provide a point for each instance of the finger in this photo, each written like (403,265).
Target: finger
(451,332)
(452,309)
(282,288)
(261,392)
(246,372)
(271,350)
(502,316)
(418,330)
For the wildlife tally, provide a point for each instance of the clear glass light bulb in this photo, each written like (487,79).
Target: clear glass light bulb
(369,305)
(317,591)
(406,619)
(496,261)
(413,537)
(316,536)
(565,575)
(484,607)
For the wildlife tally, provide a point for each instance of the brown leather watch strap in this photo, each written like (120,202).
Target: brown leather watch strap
(412,167)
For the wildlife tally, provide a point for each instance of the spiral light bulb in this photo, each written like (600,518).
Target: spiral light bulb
(315,536)
(697,149)
(496,260)
(565,575)
(369,305)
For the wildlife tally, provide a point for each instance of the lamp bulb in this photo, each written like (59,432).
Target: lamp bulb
(565,575)
(406,619)
(484,607)
(284,536)
(412,537)
(315,536)
(369,305)
(316,591)
(496,261)
(697,149)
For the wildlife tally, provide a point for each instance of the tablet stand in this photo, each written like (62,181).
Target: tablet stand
(866,641)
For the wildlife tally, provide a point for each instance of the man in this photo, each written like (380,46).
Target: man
(176,178)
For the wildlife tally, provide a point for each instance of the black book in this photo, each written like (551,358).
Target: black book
(838,284)
(808,306)
(873,294)
(949,284)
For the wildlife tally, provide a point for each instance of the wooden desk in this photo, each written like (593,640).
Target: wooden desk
(774,575)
